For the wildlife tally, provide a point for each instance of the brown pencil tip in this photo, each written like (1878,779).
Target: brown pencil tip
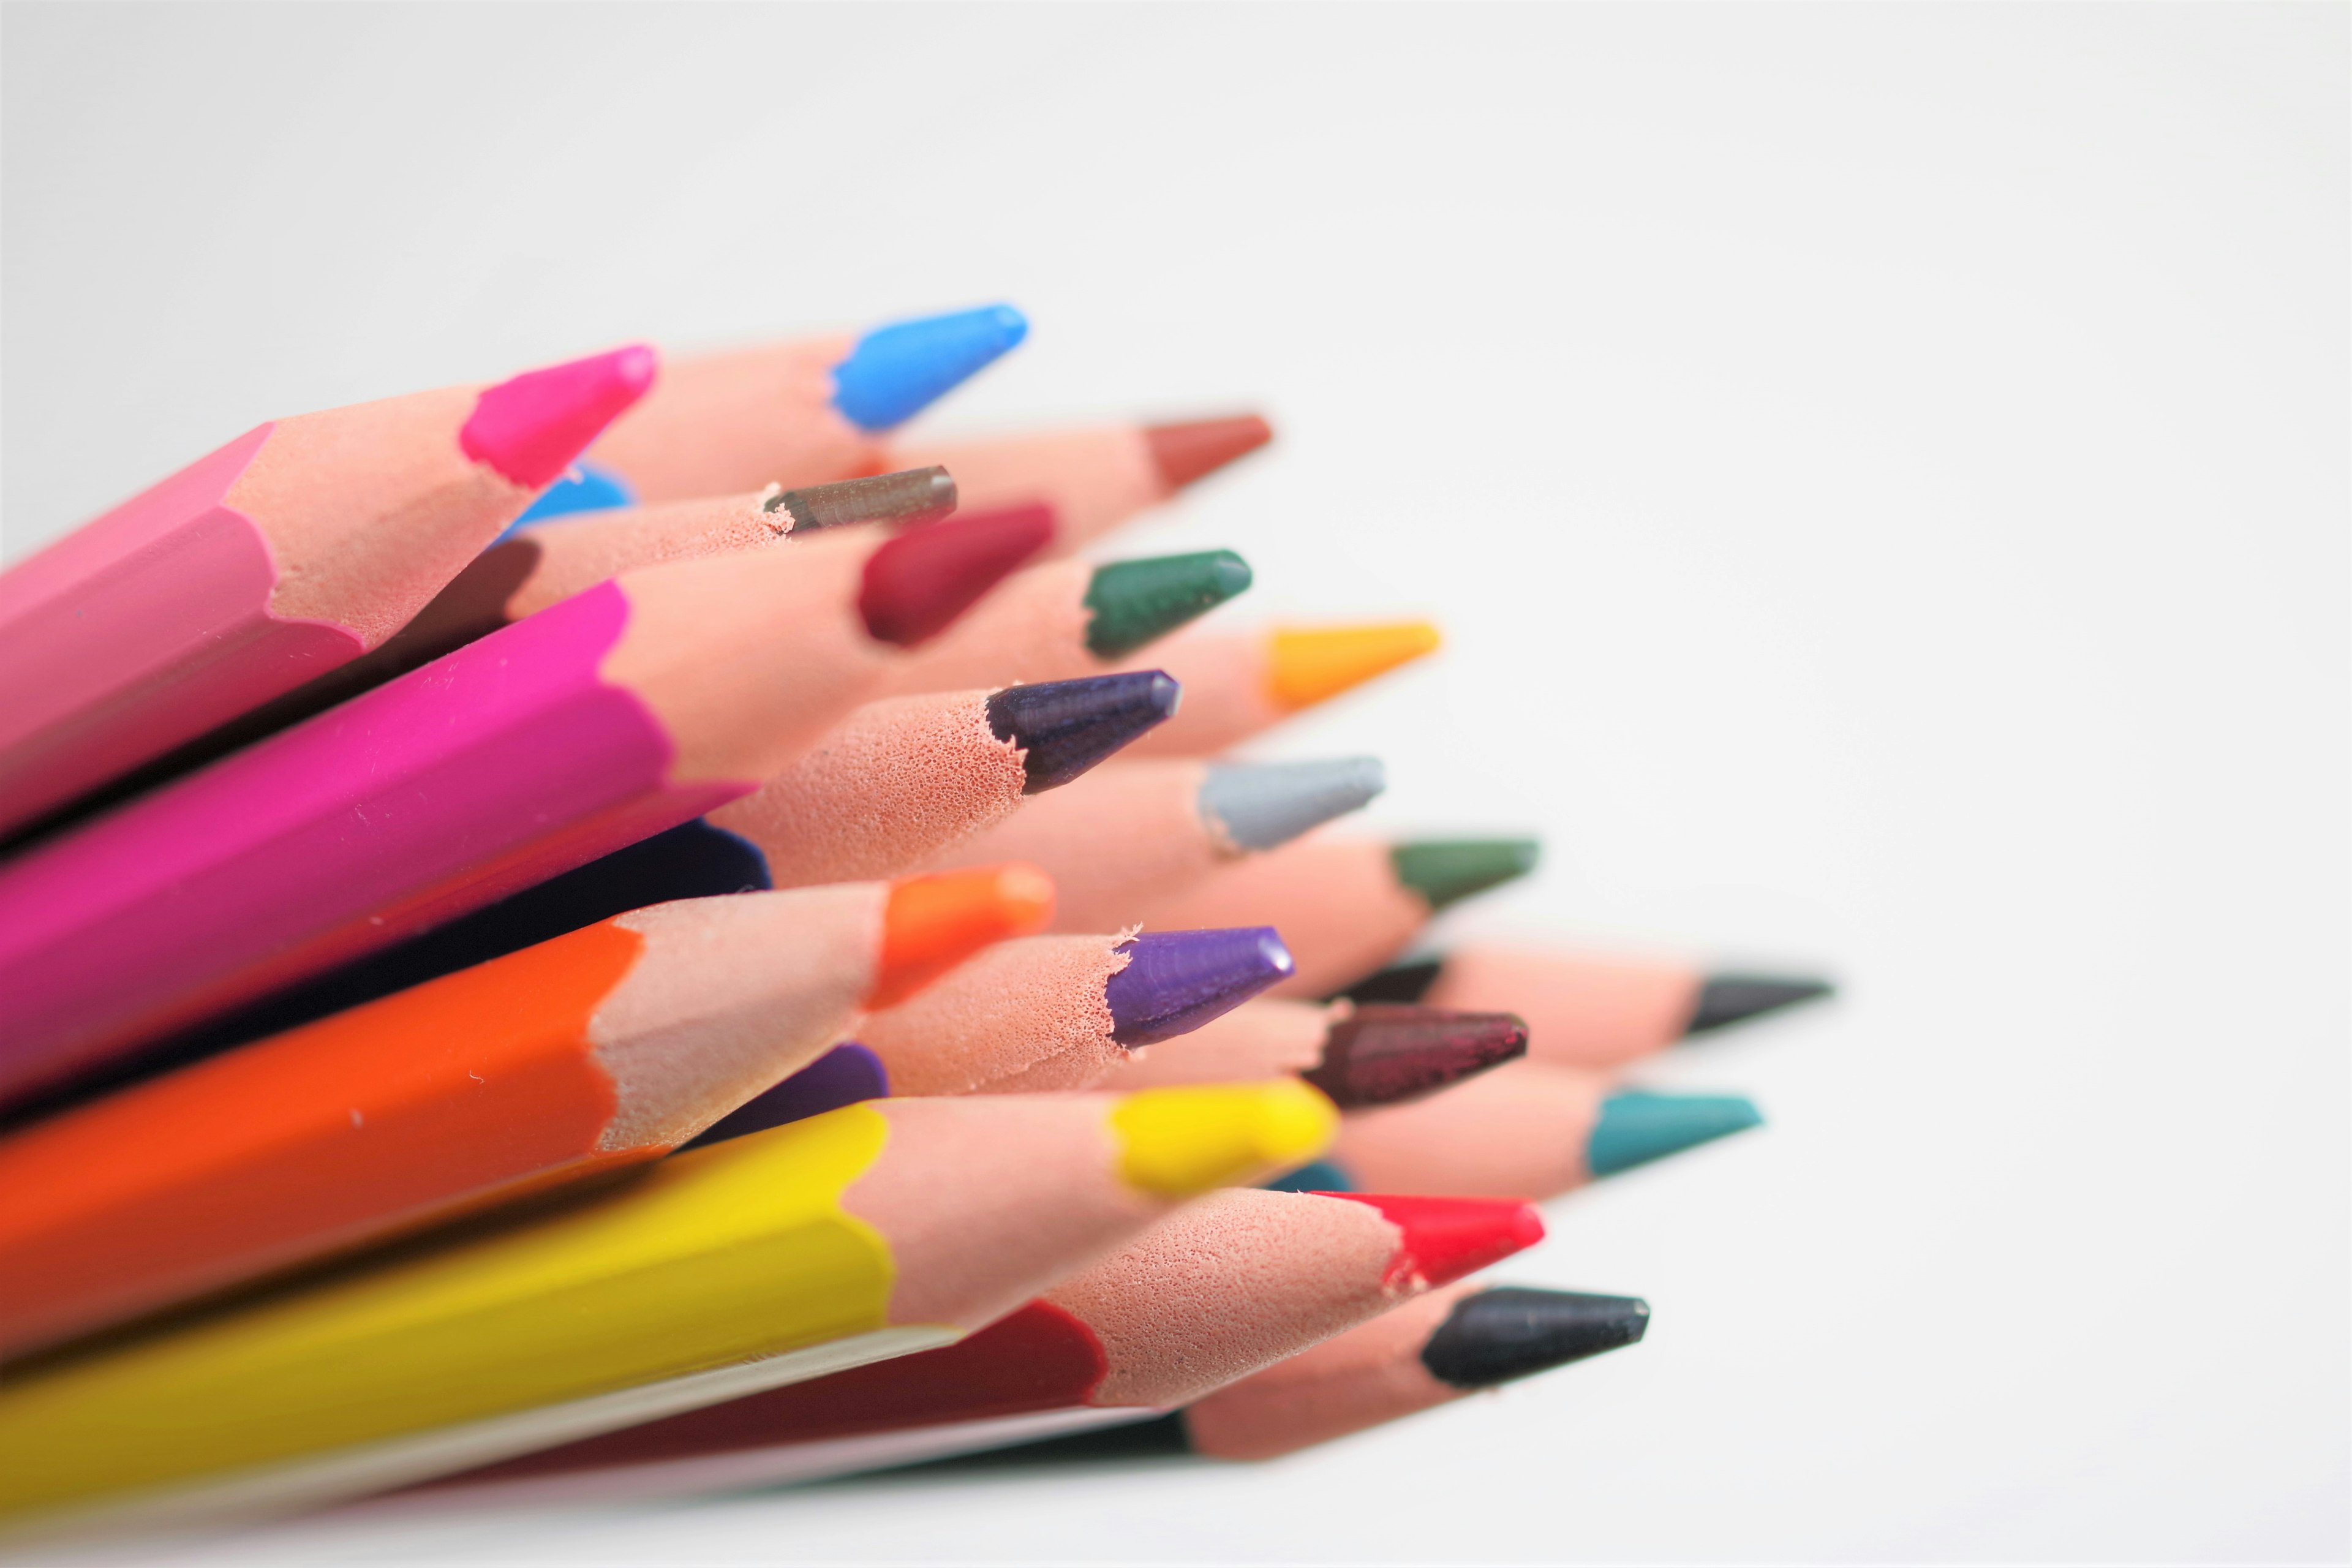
(1185,452)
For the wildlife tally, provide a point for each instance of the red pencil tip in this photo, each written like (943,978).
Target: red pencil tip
(1182,453)
(1445,1238)
(530,428)
(918,582)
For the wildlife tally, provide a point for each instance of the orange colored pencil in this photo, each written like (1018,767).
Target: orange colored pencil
(1239,684)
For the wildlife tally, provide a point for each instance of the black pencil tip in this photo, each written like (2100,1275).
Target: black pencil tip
(1729,999)
(1510,1333)
(1064,727)
(1398,982)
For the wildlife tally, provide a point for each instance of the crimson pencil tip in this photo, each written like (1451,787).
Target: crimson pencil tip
(529,427)
(918,582)
(1729,999)
(1444,1239)
(1176,981)
(1064,727)
(1500,1335)
(911,498)
(1382,1054)
(1197,448)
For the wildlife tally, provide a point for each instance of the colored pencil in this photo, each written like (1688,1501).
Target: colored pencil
(1055,1012)
(297,547)
(619,713)
(802,412)
(609,1046)
(1136,835)
(847,1074)
(871,1231)
(1360,1054)
(1525,1129)
(1591,1009)
(1073,618)
(1239,684)
(1094,477)
(1224,1288)
(1346,906)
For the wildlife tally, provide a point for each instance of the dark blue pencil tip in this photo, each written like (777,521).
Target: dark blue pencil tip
(897,372)
(1637,1127)
(1064,727)
(844,1075)
(585,489)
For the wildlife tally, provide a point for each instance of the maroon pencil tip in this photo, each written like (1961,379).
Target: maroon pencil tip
(1185,452)
(529,427)
(918,582)
(1384,1052)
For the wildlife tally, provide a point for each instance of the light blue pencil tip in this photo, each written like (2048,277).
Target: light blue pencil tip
(1636,1127)
(585,489)
(897,372)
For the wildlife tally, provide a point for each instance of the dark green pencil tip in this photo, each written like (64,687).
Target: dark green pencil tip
(1501,1335)
(1447,870)
(1136,601)
(1732,998)
(1636,1127)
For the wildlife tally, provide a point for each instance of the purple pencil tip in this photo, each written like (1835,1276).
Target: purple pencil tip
(1176,981)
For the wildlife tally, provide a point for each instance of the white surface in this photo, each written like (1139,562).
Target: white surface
(1884,471)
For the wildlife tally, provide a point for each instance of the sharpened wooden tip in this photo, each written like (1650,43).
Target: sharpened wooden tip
(1315,664)
(933,923)
(1188,1140)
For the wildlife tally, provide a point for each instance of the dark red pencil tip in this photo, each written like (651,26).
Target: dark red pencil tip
(1384,1053)
(918,584)
(1445,1238)
(1185,452)
(530,428)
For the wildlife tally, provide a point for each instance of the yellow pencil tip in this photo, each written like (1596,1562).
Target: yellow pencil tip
(1187,1140)
(1313,664)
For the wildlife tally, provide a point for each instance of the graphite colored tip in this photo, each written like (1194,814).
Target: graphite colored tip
(1732,998)
(529,427)
(1444,871)
(913,497)
(897,372)
(933,923)
(1176,981)
(1261,805)
(1500,1335)
(1384,1053)
(846,1075)
(1637,1127)
(1064,727)
(1136,601)
(1188,451)
(1408,982)
(919,582)
(1183,1141)
(583,488)
(1445,1238)
(1314,664)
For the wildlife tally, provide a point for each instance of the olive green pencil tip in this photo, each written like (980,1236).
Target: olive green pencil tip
(1136,602)
(1448,870)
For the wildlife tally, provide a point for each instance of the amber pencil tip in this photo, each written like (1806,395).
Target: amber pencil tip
(933,923)
(1194,448)
(1314,664)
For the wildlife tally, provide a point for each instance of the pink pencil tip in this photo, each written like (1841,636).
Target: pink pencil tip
(531,426)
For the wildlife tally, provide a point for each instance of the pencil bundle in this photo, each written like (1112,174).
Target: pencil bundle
(644,930)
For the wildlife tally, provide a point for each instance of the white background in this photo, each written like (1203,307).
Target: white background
(1883,470)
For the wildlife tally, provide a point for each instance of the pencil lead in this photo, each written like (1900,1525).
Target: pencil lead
(1315,1176)
(1194,448)
(1176,981)
(918,582)
(933,923)
(898,371)
(1261,805)
(1383,1053)
(848,1074)
(1314,664)
(529,427)
(1136,601)
(1445,1238)
(1398,982)
(1444,871)
(1188,1140)
(584,487)
(1500,1335)
(911,498)
(1733,998)
(1636,1127)
(1064,727)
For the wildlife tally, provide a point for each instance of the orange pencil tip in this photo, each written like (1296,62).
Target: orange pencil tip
(1313,664)
(933,923)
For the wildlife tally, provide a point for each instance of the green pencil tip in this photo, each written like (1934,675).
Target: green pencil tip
(1636,1128)
(1448,870)
(1135,602)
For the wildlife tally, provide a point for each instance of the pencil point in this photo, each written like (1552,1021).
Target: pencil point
(1261,805)
(583,488)
(918,582)
(1727,999)
(848,1074)
(1444,871)
(1136,601)
(1315,1176)
(933,923)
(529,427)
(1637,1127)
(1195,448)
(913,497)
(1176,981)
(1445,1238)
(1179,1142)
(1398,982)
(1314,664)
(1384,1053)
(1500,1335)
(898,371)
(1064,727)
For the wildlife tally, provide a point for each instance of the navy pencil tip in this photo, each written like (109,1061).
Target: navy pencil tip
(1064,727)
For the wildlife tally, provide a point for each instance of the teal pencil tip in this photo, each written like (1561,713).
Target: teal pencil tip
(1317,1176)
(1637,1127)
